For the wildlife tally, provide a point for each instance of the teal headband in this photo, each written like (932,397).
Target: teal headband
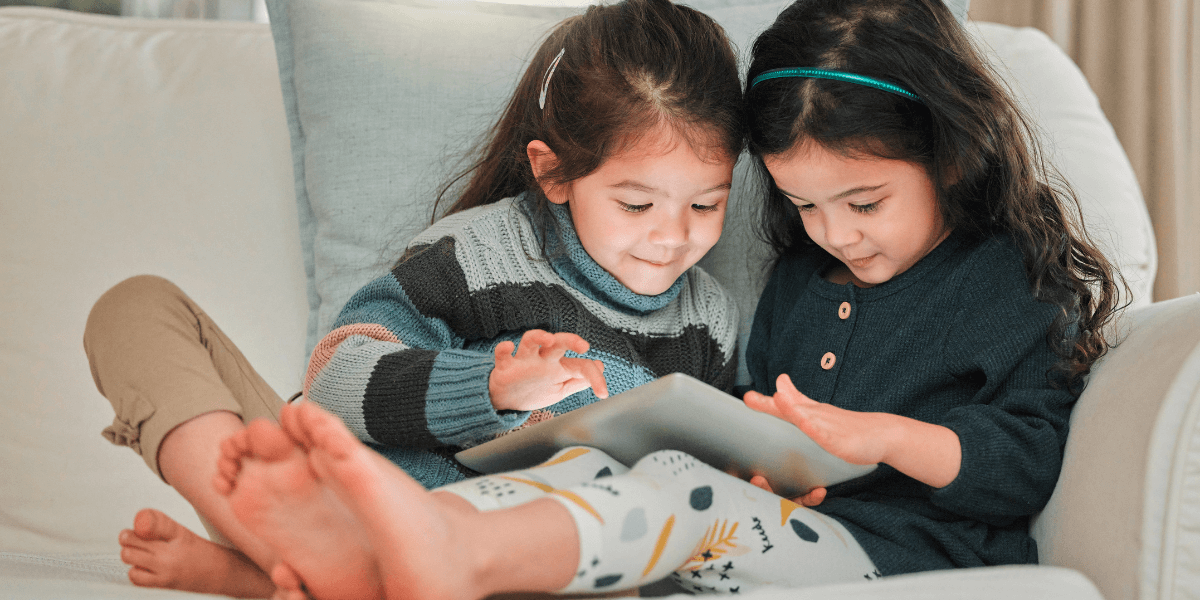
(837,76)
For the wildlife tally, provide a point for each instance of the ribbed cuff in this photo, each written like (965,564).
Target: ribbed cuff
(458,407)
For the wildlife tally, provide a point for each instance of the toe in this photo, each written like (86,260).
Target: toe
(236,446)
(286,578)
(143,578)
(223,486)
(138,558)
(228,467)
(326,431)
(150,524)
(129,538)
(288,420)
(267,441)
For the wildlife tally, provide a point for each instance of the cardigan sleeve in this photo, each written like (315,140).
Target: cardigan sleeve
(395,367)
(1014,429)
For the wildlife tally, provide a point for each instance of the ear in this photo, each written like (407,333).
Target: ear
(541,160)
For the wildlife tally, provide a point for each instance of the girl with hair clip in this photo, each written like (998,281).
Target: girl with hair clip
(562,273)
(933,308)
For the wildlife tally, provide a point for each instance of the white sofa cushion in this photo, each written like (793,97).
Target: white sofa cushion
(129,146)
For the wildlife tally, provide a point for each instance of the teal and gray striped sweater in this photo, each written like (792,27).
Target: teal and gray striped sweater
(407,363)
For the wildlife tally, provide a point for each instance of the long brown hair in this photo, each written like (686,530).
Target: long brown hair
(625,68)
(967,132)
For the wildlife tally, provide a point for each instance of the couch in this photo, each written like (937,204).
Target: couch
(271,169)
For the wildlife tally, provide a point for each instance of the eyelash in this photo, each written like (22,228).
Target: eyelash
(865,209)
(862,209)
(637,208)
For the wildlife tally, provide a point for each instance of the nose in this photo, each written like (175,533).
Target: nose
(670,229)
(840,231)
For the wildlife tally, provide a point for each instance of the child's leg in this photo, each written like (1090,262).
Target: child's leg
(178,387)
(716,532)
(670,512)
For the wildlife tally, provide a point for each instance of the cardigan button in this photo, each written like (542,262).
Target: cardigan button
(844,311)
(828,361)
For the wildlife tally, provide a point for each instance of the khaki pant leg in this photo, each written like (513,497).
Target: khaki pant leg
(161,361)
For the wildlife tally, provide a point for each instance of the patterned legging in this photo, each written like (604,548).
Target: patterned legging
(672,515)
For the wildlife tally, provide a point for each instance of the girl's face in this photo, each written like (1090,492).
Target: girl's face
(877,216)
(649,213)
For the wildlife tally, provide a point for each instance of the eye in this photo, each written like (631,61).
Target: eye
(634,208)
(865,209)
(705,208)
(805,208)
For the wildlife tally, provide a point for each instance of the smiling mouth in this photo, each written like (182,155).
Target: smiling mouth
(861,262)
(655,262)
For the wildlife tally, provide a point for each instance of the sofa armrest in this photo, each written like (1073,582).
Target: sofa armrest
(1126,511)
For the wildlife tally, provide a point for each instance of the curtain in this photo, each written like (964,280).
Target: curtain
(1142,58)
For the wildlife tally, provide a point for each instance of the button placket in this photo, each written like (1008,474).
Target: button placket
(842,328)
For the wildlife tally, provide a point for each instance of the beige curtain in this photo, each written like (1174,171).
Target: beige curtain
(1142,58)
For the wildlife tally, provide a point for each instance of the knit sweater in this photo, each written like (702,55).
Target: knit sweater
(957,340)
(407,363)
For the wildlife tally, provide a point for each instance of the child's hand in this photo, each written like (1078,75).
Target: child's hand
(929,453)
(812,498)
(540,374)
(855,437)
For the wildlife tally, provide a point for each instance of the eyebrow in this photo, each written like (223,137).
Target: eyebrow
(641,187)
(850,192)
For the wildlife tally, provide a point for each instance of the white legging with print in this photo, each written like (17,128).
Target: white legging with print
(674,515)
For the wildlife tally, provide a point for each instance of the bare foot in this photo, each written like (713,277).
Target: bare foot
(428,545)
(162,553)
(275,494)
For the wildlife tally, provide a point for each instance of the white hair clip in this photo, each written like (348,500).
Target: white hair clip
(546,80)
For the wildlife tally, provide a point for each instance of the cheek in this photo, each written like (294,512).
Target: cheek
(812,226)
(708,233)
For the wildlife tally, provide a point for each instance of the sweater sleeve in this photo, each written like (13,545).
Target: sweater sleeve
(395,367)
(1015,427)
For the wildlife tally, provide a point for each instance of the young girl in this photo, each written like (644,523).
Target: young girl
(934,307)
(563,273)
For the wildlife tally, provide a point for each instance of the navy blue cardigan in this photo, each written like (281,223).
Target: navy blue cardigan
(957,340)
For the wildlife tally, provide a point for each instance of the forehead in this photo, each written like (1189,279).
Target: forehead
(704,142)
(811,160)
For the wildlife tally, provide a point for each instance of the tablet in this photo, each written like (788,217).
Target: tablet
(675,412)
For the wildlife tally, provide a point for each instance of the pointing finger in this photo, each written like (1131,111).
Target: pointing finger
(532,342)
(590,370)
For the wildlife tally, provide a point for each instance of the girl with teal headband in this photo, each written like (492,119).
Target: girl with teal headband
(935,302)
(933,307)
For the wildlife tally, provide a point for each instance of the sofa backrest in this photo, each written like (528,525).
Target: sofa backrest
(129,146)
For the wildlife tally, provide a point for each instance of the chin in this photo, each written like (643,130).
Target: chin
(871,277)
(649,289)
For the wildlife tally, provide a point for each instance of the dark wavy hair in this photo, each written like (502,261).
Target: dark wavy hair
(979,151)
(625,69)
